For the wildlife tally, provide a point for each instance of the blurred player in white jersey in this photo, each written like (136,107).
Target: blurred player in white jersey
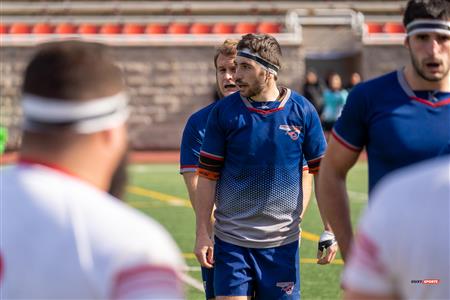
(402,247)
(63,236)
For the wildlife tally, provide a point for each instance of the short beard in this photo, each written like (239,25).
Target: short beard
(119,179)
(416,67)
(256,89)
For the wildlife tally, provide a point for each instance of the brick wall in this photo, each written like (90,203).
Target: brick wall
(382,59)
(166,85)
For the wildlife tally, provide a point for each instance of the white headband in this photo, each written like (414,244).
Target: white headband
(428,25)
(82,116)
(270,67)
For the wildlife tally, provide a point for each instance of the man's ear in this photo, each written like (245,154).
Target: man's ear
(406,42)
(107,136)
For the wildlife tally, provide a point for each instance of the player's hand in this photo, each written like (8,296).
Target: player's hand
(204,250)
(327,242)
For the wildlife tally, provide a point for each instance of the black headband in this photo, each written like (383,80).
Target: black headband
(259,60)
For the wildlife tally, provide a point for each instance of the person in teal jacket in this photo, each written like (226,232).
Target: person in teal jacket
(334,99)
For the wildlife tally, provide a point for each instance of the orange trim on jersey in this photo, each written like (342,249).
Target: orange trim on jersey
(429,103)
(344,142)
(314,170)
(208,174)
(144,276)
(305,168)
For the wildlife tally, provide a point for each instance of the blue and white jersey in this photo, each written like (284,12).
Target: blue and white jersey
(192,140)
(255,150)
(397,126)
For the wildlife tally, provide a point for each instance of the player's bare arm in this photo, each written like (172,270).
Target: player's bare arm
(204,246)
(327,247)
(307,182)
(333,201)
(190,180)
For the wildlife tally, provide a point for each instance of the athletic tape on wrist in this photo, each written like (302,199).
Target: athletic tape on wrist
(326,240)
(41,114)
(427,26)
(263,62)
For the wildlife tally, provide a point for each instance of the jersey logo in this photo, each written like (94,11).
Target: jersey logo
(287,287)
(291,130)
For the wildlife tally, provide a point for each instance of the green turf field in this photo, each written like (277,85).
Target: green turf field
(159,191)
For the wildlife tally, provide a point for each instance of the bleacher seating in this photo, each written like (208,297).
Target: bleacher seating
(138,28)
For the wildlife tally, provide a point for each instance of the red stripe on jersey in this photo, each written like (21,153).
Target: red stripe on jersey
(211,156)
(366,253)
(188,168)
(264,112)
(432,104)
(147,279)
(32,161)
(1,268)
(344,142)
(315,160)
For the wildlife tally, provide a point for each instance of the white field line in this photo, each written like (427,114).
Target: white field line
(357,197)
(192,281)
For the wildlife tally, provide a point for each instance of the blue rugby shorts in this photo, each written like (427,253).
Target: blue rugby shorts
(266,273)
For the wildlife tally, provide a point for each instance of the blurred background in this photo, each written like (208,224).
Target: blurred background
(166,49)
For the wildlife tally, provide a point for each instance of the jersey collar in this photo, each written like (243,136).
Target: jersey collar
(283,100)
(407,89)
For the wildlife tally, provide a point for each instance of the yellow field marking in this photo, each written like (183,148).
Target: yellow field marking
(309,236)
(337,261)
(172,200)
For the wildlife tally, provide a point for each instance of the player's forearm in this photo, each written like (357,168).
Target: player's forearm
(191,179)
(307,182)
(323,216)
(205,194)
(333,205)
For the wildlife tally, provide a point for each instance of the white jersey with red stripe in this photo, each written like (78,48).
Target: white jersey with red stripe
(403,242)
(63,238)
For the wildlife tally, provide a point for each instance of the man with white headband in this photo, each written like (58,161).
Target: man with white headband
(400,118)
(63,236)
(251,169)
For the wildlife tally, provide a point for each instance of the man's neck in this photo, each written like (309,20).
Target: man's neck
(417,83)
(269,93)
(77,166)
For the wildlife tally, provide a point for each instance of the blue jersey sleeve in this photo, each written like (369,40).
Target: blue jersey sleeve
(314,144)
(213,148)
(191,143)
(350,129)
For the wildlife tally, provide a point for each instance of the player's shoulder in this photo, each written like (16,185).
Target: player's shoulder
(228,101)
(129,232)
(376,85)
(407,180)
(300,100)
(201,114)
(410,186)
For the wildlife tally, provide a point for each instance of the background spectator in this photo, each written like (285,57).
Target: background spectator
(313,89)
(334,98)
